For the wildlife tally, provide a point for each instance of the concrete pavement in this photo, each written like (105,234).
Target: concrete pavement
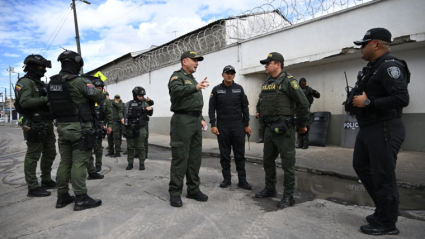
(330,160)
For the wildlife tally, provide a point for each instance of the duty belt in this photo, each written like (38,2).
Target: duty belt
(37,117)
(190,113)
(69,119)
(289,122)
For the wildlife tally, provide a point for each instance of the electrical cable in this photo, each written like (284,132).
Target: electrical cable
(57,32)
(63,15)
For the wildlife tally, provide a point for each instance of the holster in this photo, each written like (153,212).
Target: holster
(87,141)
(35,135)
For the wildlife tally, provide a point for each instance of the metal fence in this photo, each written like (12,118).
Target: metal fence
(269,17)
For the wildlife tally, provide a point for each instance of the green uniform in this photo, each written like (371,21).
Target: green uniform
(279,96)
(104,116)
(114,139)
(185,132)
(41,138)
(74,156)
(136,140)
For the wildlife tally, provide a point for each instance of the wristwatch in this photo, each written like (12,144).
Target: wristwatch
(366,102)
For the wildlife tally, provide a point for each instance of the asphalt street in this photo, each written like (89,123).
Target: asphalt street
(135,204)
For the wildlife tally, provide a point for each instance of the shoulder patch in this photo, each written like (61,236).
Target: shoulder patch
(393,71)
(173,78)
(294,84)
(20,84)
(90,89)
(211,95)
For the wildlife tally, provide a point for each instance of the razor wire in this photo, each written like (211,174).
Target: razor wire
(268,17)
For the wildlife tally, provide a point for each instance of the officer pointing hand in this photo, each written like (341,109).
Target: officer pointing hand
(202,85)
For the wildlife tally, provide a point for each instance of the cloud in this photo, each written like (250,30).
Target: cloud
(10,54)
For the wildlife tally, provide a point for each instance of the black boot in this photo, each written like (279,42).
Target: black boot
(107,147)
(244,184)
(84,202)
(142,167)
(198,196)
(305,146)
(176,201)
(64,200)
(129,166)
(260,140)
(286,201)
(117,155)
(95,175)
(125,152)
(110,154)
(226,182)
(298,146)
(49,185)
(38,192)
(98,168)
(266,193)
(371,218)
(375,229)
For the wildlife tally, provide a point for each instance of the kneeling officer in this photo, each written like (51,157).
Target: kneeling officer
(135,120)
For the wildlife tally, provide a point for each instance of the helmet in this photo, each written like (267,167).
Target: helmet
(38,60)
(138,90)
(68,55)
(98,82)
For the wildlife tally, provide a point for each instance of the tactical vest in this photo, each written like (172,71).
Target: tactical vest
(99,110)
(135,113)
(60,101)
(42,91)
(274,101)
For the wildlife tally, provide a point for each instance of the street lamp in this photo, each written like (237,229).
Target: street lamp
(10,70)
(77,35)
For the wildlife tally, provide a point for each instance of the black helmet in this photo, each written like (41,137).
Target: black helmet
(98,82)
(138,90)
(38,60)
(68,55)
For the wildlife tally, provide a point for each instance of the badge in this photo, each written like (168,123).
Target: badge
(173,78)
(221,91)
(294,84)
(90,89)
(55,87)
(394,72)
(188,82)
(18,88)
(236,90)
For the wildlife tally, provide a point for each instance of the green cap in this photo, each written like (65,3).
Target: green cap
(106,93)
(117,96)
(191,54)
(274,56)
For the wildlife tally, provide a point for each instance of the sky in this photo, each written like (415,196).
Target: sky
(108,28)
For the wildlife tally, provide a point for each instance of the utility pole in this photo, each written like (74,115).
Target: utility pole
(77,35)
(10,92)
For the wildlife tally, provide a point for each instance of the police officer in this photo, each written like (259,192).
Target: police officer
(259,116)
(280,92)
(31,94)
(103,115)
(72,99)
(135,120)
(114,139)
(186,128)
(309,94)
(379,97)
(231,104)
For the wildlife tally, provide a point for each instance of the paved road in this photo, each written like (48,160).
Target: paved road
(135,205)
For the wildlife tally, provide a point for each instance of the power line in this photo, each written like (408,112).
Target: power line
(123,15)
(63,15)
(57,32)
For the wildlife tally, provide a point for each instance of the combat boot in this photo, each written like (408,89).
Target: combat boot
(98,168)
(226,182)
(376,230)
(198,196)
(116,155)
(49,185)
(64,200)
(142,167)
(95,175)
(286,201)
(110,154)
(266,193)
(305,146)
(129,166)
(299,146)
(38,192)
(260,140)
(244,184)
(84,202)
(176,201)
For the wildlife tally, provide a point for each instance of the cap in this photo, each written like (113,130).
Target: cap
(117,96)
(274,56)
(106,93)
(229,68)
(375,33)
(191,54)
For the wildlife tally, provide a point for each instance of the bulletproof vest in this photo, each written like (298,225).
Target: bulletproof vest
(135,111)
(99,110)
(274,101)
(60,101)
(42,91)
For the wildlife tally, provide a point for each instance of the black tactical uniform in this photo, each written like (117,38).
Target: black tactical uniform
(231,105)
(382,131)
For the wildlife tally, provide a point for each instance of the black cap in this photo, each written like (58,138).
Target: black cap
(191,54)
(274,56)
(229,68)
(375,33)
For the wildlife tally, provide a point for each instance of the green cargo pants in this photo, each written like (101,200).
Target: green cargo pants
(114,139)
(186,151)
(73,160)
(135,144)
(46,150)
(283,144)
(303,139)
(98,153)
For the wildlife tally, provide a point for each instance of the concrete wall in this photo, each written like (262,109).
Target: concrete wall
(311,50)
